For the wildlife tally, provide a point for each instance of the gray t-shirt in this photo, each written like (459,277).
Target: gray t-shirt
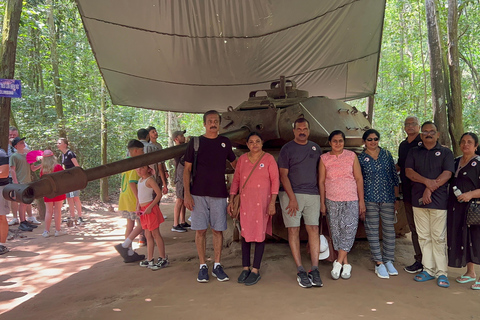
(302,164)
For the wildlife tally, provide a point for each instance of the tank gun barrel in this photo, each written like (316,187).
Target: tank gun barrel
(51,185)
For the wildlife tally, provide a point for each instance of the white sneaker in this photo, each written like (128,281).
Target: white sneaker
(14,221)
(60,233)
(347,271)
(46,234)
(33,220)
(337,267)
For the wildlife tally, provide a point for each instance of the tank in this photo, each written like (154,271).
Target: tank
(270,112)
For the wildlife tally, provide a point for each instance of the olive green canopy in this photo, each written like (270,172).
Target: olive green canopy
(196,55)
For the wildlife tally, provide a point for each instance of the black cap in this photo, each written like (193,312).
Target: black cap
(16,140)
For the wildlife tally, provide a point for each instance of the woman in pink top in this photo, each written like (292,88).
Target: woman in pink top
(257,205)
(341,195)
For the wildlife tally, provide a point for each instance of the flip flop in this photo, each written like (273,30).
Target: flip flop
(464,279)
(476,285)
(423,276)
(445,281)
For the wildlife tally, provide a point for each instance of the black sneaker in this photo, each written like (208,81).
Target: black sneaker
(134,257)
(178,228)
(414,268)
(24,227)
(3,249)
(252,279)
(244,275)
(145,263)
(185,225)
(123,251)
(163,262)
(31,225)
(203,274)
(220,274)
(303,280)
(314,277)
(80,221)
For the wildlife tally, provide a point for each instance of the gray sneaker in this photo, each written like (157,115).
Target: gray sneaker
(220,274)
(303,280)
(314,277)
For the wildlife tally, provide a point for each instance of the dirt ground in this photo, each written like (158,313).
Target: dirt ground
(81,276)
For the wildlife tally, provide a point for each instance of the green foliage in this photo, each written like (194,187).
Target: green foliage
(403,82)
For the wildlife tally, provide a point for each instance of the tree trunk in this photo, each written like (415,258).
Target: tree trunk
(56,73)
(370,105)
(103,146)
(436,74)
(11,23)
(455,111)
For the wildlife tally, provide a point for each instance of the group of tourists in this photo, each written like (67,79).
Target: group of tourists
(17,167)
(344,187)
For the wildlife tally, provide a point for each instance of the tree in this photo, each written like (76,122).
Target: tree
(439,102)
(11,23)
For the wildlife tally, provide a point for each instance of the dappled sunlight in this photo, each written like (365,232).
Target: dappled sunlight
(56,258)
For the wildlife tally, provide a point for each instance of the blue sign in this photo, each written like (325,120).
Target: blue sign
(10,88)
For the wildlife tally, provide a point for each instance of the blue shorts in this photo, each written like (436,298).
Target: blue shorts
(73,194)
(209,211)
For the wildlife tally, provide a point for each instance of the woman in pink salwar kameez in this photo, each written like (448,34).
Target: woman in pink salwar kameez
(257,204)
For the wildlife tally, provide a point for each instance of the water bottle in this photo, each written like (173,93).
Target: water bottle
(457,192)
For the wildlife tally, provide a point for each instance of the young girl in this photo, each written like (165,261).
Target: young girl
(151,218)
(53,205)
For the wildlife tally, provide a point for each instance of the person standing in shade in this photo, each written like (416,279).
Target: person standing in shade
(463,240)
(179,223)
(300,197)
(412,128)
(380,184)
(69,160)
(430,166)
(342,197)
(21,174)
(207,195)
(4,209)
(257,204)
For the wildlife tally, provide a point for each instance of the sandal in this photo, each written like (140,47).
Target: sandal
(464,279)
(423,276)
(443,282)
(476,285)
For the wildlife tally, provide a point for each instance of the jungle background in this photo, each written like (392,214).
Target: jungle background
(63,93)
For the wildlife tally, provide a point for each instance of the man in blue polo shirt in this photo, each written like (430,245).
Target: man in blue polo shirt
(430,166)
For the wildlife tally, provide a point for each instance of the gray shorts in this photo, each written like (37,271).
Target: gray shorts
(4,207)
(209,211)
(73,194)
(130,215)
(308,208)
(179,189)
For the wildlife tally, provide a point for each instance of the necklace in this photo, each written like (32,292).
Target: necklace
(374,154)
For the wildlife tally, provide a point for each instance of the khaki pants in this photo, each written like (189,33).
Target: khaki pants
(431,228)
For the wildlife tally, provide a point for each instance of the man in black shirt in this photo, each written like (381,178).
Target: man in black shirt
(207,195)
(412,128)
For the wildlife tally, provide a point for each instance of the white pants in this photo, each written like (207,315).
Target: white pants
(431,227)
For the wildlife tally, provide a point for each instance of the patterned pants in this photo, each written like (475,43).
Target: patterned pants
(343,219)
(385,211)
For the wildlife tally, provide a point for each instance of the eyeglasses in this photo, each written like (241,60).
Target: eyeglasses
(373,139)
(429,133)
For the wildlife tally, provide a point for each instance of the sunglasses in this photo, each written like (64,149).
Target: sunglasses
(373,139)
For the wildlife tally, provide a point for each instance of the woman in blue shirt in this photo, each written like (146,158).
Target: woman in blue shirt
(381,198)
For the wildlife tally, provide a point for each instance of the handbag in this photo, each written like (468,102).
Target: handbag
(236,198)
(473,213)
(325,232)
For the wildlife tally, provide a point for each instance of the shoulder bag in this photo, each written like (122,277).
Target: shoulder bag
(236,198)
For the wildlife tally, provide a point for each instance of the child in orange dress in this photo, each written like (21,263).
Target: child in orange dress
(151,217)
